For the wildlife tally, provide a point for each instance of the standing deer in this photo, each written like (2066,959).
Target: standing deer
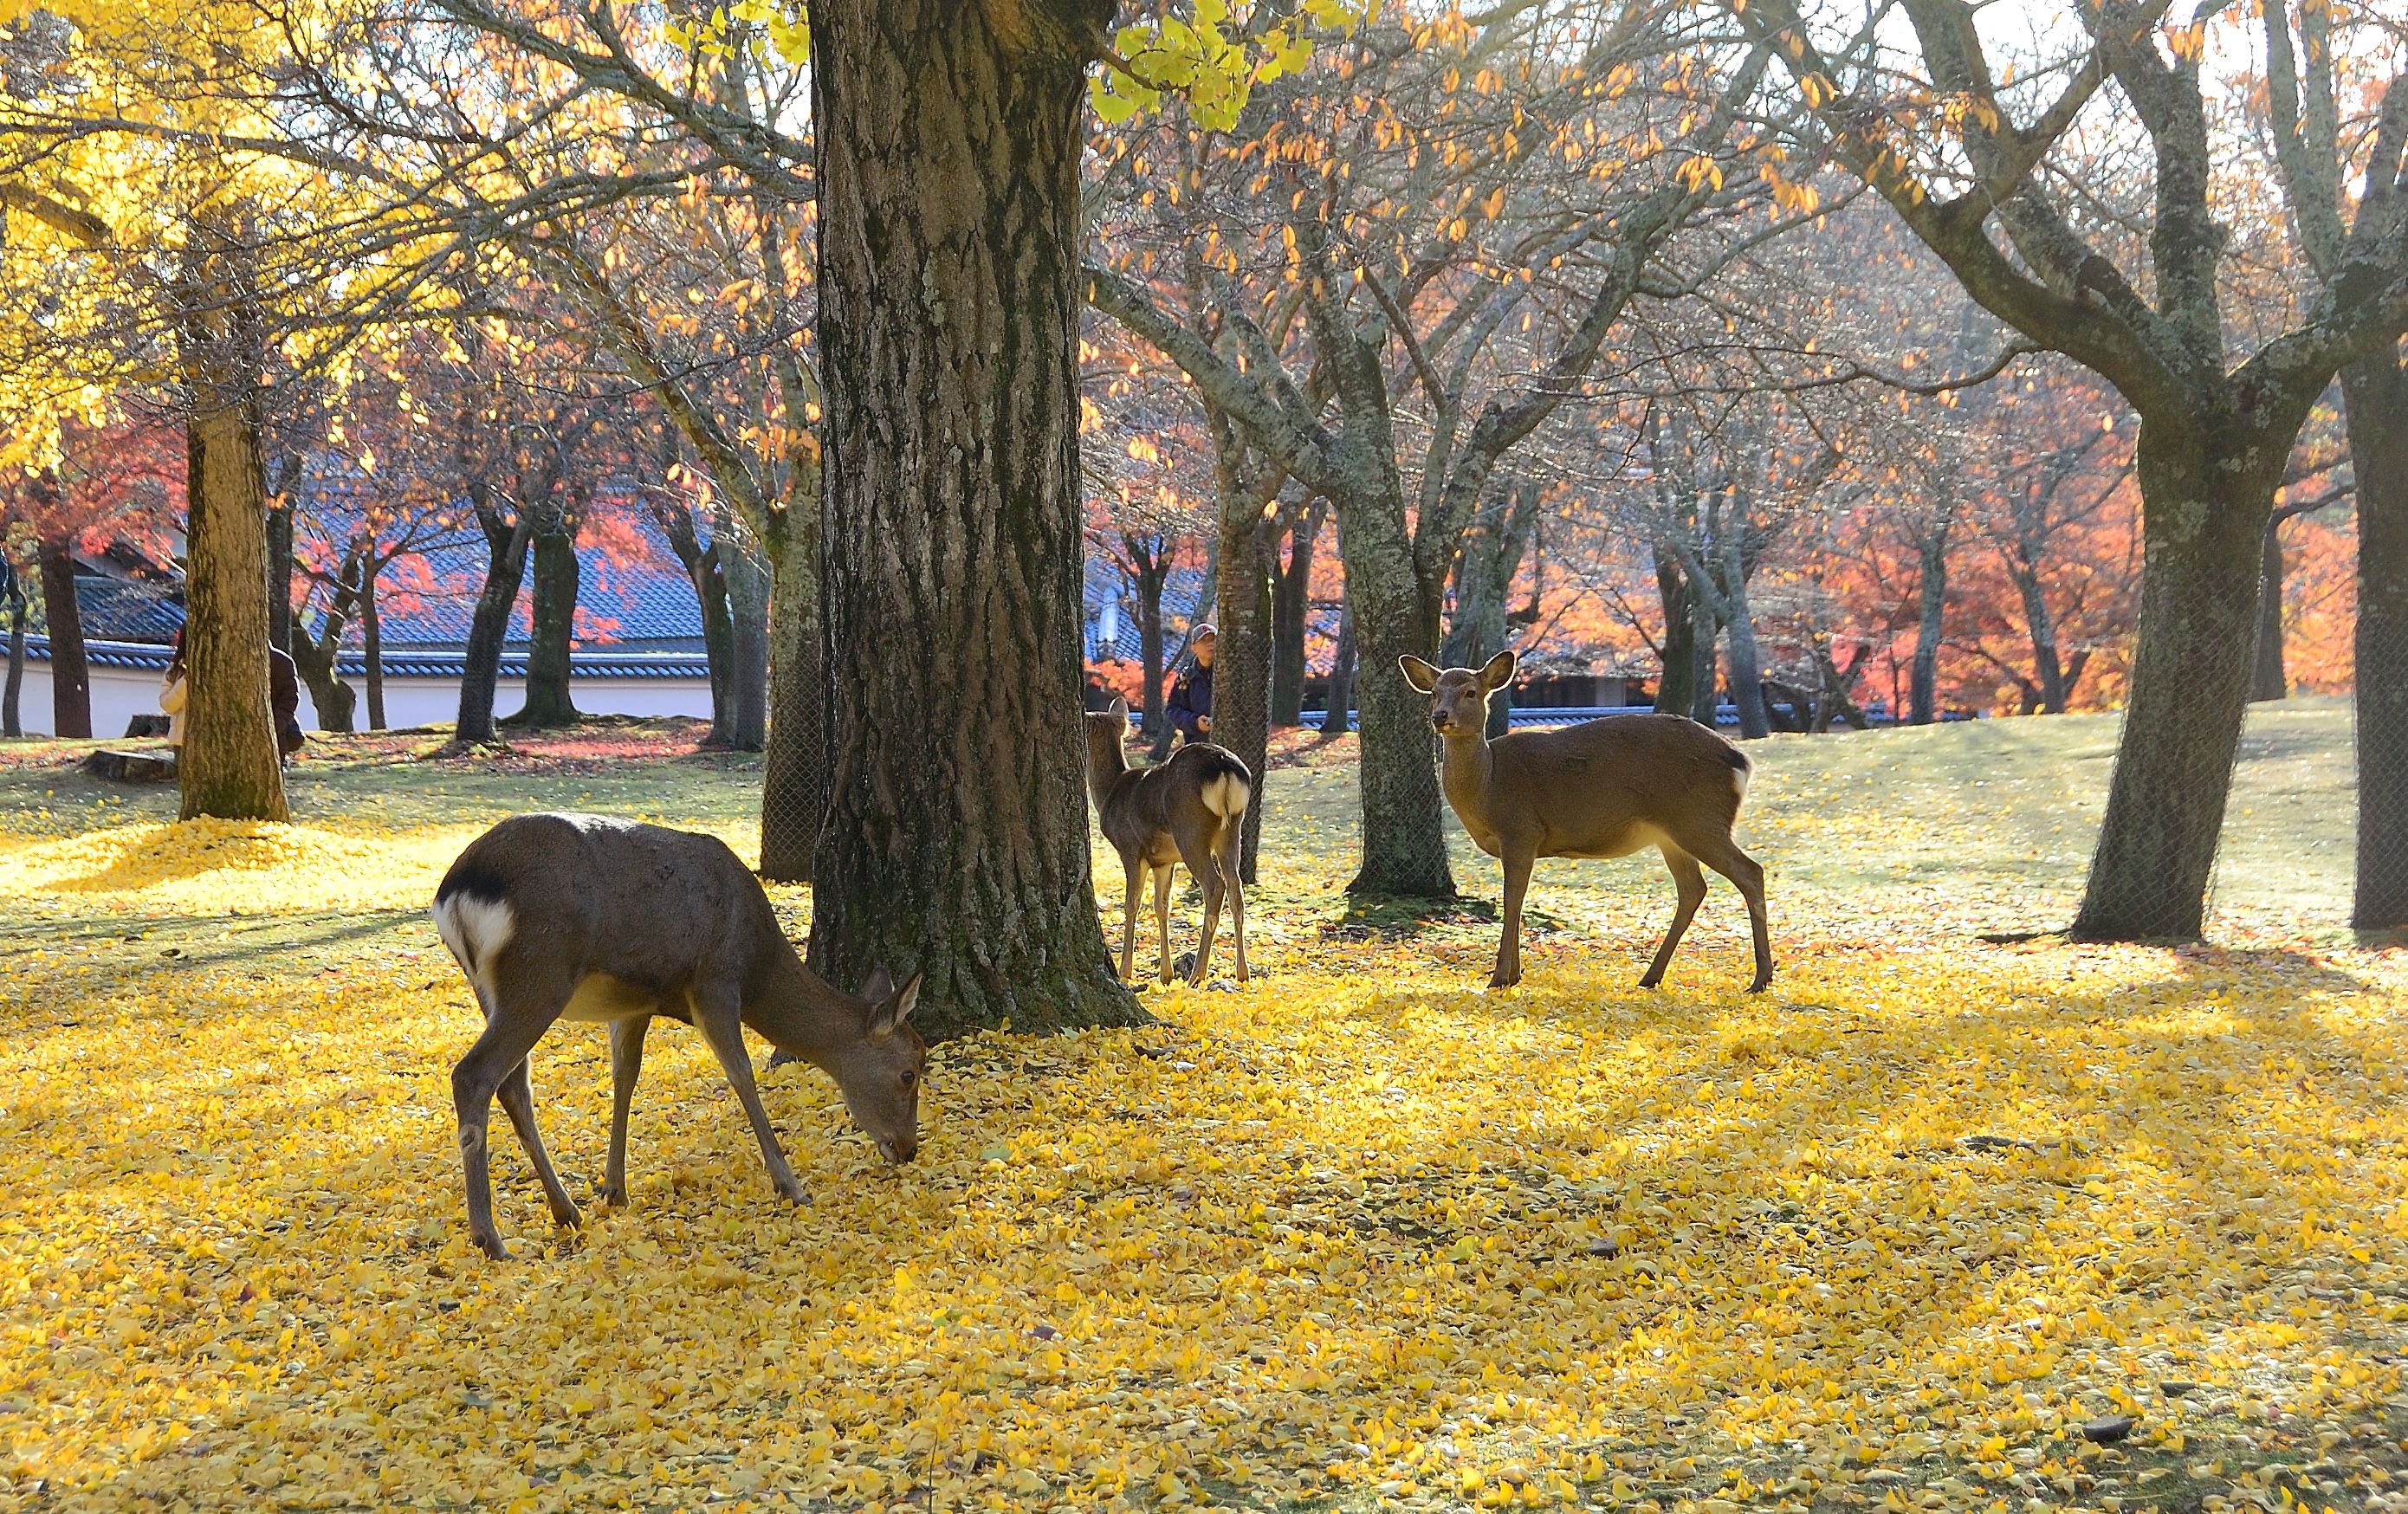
(1191,809)
(1604,787)
(586,917)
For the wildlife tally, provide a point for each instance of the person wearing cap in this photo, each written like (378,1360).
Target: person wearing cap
(1190,706)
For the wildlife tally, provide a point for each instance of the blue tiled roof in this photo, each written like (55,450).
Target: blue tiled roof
(121,609)
(402,664)
(646,604)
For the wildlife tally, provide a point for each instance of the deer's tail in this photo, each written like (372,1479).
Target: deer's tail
(1228,788)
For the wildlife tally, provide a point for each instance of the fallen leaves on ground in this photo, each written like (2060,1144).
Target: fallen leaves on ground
(1904,1234)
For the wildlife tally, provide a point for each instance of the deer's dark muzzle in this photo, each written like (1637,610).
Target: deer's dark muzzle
(899,1149)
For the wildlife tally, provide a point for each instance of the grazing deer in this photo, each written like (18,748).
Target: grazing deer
(1191,809)
(1604,787)
(586,917)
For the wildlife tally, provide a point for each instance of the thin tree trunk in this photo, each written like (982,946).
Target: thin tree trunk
(1150,576)
(279,573)
(1334,719)
(2267,678)
(372,642)
(12,725)
(2048,671)
(795,768)
(70,671)
(710,582)
(1923,679)
(1676,688)
(316,658)
(1705,703)
(551,628)
(1291,616)
(948,314)
(489,624)
(2204,514)
(1747,668)
(1485,564)
(2376,393)
(748,664)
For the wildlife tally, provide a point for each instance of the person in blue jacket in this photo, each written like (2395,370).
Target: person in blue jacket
(1190,706)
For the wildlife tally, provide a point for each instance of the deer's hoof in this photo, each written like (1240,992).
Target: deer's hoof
(1652,980)
(568,1219)
(491,1244)
(612,1198)
(795,1193)
(1499,981)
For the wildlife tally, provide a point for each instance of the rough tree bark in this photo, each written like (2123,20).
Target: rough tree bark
(551,625)
(489,623)
(229,766)
(1676,688)
(372,642)
(2208,502)
(18,605)
(948,141)
(1931,556)
(70,670)
(2375,391)
(1484,578)
(795,771)
(314,655)
(702,570)
(748,663)
(1341,706)
(1291,617)
(1153,567)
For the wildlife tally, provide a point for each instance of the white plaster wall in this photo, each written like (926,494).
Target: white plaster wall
(118,695)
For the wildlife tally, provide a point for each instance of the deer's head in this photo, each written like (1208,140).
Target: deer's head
(1459,695)
(879,1075)
(1107,739)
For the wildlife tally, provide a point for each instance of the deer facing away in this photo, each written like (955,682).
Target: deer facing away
(1604,787)
(1191,809)
(586,917)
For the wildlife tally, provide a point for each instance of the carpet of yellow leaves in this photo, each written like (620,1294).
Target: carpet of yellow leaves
(1890,1236)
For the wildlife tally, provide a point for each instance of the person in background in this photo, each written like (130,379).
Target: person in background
(1190,706)
(284,697)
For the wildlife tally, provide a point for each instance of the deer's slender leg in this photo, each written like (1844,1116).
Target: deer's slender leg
(1135,868)
(1692,885)
(1162,915)
(521,999)
(518,1102)
(1509,945)
(1202,857)
(1723,855)
(627,1061)
(1233,847)
(719,1014)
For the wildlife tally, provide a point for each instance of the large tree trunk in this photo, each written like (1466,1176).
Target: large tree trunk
(2267,678)
(1404,838)
(2205,503)
(551,629)
(794,781)
(1291,617)
(489,623)
(70,671)
(949,316)
(1241,667)
(2376,393)
(229,764)
(748,663)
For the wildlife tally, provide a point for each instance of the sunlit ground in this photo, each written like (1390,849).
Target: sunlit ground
(1355,1235)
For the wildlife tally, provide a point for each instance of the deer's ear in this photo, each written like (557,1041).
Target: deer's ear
(1498,672)
(879,986)
(887,1016)
(1421,674)
(1119,709)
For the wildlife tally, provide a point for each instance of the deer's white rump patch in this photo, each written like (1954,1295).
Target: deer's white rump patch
(1226,796)
(474,930)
